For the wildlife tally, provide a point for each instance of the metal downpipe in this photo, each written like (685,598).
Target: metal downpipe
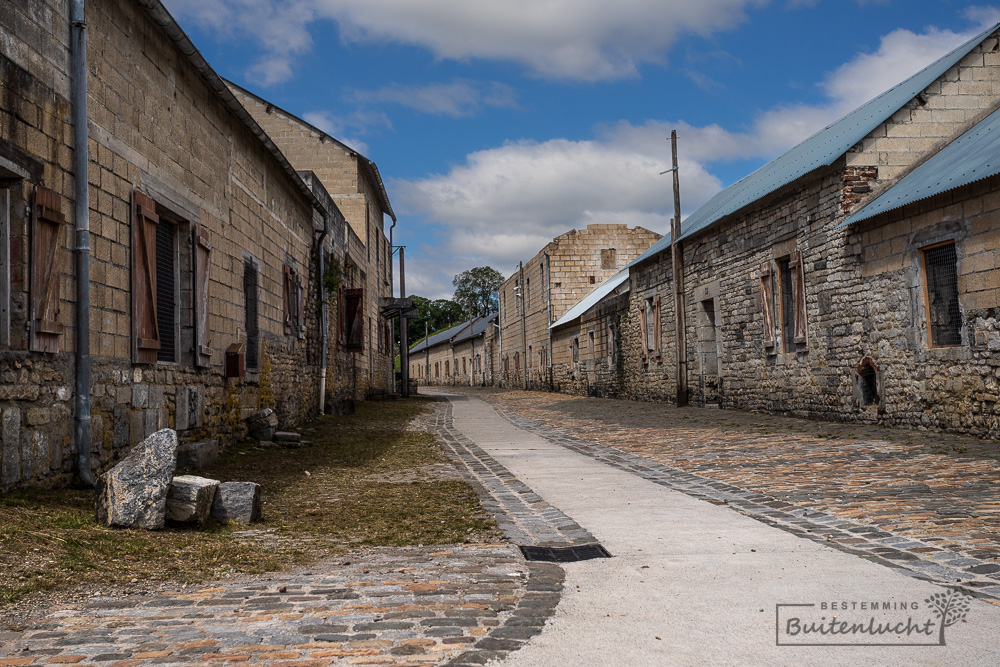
(81,158)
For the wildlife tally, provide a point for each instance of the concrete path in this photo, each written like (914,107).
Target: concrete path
(692,582)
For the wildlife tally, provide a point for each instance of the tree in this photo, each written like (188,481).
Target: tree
(435,315)
(478,289)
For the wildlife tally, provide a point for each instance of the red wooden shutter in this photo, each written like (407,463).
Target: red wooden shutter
(287,298)
(46,271)
(796,264)
(354,318)
(767,304)
(145,330)
(202,262)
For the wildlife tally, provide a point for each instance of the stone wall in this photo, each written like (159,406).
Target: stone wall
(156,128)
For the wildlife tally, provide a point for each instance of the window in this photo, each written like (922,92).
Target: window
(793,301)
(787,304)
(527,359)
(517,362)
(649,325)
(612,358)
(202,262)
(593,345)
(293,291)
(250,296)
(352,318)
(437,369)
(166,291)
(464,371)
(944,319)
(576,351)
(608,259)
(47,224)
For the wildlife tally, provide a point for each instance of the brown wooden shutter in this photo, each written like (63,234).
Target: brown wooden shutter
(145,330)
(767,303)
(301,302)
(354,318)
(286,292)
(46,271)
(658,329)
(202,262)
(643,332)
(797,266)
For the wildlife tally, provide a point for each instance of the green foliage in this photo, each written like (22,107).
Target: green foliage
(333,278)
(478,289)
(435,315)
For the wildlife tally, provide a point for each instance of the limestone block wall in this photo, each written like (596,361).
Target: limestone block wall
(598,368)
(156,128)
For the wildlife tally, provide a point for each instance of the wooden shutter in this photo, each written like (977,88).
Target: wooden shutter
(797,267)
(46,271)
(286,291)
(300,287)
(202,262)
(657,330)
(643,332)
(354,318)
(145,329)
(767,303)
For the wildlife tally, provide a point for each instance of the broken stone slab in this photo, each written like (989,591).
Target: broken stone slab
(237,501)
(190,497)
(198,455)
(134,492)
(286,436)
(262,424)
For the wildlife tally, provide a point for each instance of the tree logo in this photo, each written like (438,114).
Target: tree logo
(950,607)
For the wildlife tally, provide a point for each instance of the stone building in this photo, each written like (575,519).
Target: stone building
(461,355)
(356,186)
(203,241)
(565,271)
(853,278)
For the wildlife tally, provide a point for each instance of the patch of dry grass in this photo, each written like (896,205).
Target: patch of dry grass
(318,501)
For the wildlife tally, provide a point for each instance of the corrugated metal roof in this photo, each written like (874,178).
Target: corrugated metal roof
(592,299)
(821,149)
(479,325)
(441,337)
(973,156)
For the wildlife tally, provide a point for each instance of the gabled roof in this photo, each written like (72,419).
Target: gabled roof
(441,337)
(973,156)
(479,325)
(367,166)
(592,299)
(159,14)
(821,149)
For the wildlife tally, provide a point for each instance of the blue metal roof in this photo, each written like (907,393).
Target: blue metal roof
(821,149)
(592,299)
(973,156)
(479,325)
(441,337)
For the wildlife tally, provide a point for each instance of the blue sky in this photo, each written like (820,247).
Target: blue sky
(499,125)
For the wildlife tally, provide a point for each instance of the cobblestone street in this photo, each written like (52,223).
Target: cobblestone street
(933,488)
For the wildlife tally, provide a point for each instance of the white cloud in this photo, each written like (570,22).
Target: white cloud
(505,203)
(590,40)
(455,99)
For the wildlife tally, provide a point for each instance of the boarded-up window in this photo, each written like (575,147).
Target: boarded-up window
(202,262)
(46,271)
(944,319)
(145,327)
(166,291)
(293,291)
(353,319)
(657,328)
(767,304)
(644,330)
(250,307)
(608,257)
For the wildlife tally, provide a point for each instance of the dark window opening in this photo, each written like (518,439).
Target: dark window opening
(250,313)
(787,305)
(166,291)
(943,316)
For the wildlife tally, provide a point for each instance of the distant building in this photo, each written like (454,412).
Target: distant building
(464,354)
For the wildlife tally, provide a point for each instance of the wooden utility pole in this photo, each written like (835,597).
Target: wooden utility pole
(404,333)
(524,335)
(678,267)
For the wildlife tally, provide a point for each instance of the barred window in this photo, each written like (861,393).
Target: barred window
(944,320)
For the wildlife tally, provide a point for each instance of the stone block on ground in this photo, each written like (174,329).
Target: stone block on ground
(237,501)
(134,492)
(198,455)
(286,436)
(262,424)
(190,498)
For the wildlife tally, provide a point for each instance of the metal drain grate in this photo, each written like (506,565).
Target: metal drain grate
(564,554)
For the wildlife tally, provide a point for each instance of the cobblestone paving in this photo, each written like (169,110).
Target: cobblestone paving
(924,503)
(413,606)
(524,517)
